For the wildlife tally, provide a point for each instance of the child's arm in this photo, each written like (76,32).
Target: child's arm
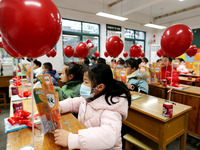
(103,137)
(70,104)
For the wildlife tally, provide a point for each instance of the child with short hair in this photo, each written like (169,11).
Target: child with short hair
(72,77)
(47,69)
(166,70)
(102,107)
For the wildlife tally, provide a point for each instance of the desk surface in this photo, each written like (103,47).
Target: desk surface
(152,106)
(23,137)
(186,79)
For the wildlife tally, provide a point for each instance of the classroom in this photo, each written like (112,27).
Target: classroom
(100,74)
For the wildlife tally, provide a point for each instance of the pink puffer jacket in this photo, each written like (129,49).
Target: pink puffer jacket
(103,122)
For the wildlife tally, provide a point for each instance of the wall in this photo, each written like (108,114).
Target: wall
(71,14)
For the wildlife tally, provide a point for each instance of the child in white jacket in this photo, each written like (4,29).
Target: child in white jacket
(102,107)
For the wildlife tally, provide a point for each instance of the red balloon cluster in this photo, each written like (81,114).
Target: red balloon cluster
(114,46)
(51,53)
(35,28)
(68,51)
(96,54)
(135,51)
(191,51)
(82,50)
(160,53)
(90,44)
(106,54)
(10,51)
(142,54)
(176,40)
(125,54)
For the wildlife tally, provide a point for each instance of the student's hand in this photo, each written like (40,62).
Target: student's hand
(130,86)
(61,137)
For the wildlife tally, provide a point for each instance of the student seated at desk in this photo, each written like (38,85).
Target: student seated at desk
(136,80)
(166,70)
(37,69)
(144,64)
(181,66)
(72,77)
(120,63)
(47,69)
(102,107)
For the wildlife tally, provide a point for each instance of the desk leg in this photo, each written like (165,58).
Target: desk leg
(161,146)
(184,136)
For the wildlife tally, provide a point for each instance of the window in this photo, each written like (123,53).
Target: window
(134,37)
(75,32)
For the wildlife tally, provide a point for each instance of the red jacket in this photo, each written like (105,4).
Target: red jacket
(166,74)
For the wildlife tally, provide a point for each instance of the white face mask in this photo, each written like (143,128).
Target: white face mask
(85,91)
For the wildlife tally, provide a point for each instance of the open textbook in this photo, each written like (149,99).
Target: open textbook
(47,102)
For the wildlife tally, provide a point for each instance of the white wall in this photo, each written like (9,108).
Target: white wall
(58,60)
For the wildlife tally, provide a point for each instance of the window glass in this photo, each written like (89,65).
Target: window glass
(140,35)
(140,43)
(90,28)
(95,41)
(129,33)
(72,26)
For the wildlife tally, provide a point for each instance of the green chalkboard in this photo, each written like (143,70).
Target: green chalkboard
(196,39)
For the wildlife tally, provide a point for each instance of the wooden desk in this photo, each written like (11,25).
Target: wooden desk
(145,116)
(23,137)
(185,80)
(157,90)
(186,75)
(191,97)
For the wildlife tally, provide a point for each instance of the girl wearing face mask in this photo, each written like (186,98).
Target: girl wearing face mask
(72,78)
(102,107)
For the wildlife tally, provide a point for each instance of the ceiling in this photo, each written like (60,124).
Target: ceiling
(138,11)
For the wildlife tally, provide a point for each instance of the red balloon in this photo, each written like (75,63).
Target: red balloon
(48,54)
(75,54)
(82,50)
(88,41)
(1,45)
(10,51)
(114,46)
(135,50)
(68,51)
(35,26)
(192,51)
(142,54)
(176,40)
(53,53)
(106,54)
(130,55)
(125,54)
(160,53)
(96,54)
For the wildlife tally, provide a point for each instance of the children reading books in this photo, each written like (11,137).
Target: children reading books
(102,107)
(136,80)
(72,78)
(47,69)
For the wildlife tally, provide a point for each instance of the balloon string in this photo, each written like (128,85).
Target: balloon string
(22,77)
(170,92)
(32,101)
(16,62)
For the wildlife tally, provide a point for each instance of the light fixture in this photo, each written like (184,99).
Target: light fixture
(151,25)
(102,14)
(181,0)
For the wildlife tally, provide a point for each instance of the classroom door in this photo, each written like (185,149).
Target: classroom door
(73,41)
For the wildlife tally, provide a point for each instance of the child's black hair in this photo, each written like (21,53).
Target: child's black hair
(113,60)
(181,59)
(101,60)
(86,61)
(158,60)
(94,58)
(101,73)
(132,62)
(48,66)
(37,63)
(169,58)
(121,61)
(75,70)
(145,59)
